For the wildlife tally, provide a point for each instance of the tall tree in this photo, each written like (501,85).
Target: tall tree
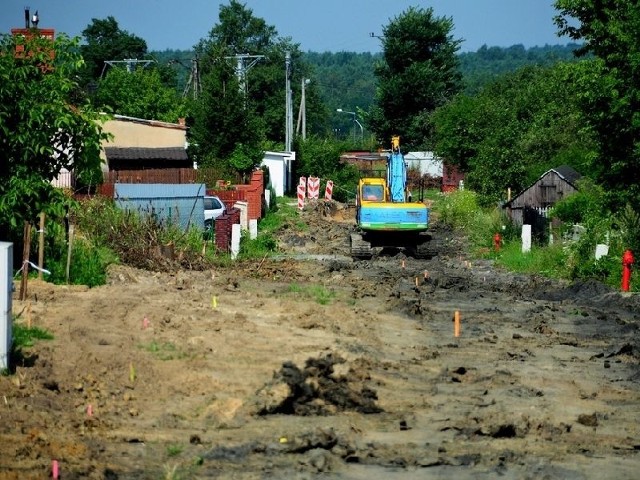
(418,74)
(42,127)
(105,41)
(610,30)
(243,77)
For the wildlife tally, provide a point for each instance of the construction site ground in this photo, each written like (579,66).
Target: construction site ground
(312,365)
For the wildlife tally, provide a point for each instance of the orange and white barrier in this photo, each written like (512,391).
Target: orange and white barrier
(313,188)
(328,191)
(301,195)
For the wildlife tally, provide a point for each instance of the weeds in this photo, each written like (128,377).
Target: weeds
(174,450)
(164,351)
(318,293)
(24,336)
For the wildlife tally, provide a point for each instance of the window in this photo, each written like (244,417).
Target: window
(372,193)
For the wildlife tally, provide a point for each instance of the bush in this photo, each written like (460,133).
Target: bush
(88,265)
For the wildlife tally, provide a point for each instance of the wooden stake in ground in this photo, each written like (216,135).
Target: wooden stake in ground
(41,246)
(26,247)
(69,248)
(456,323)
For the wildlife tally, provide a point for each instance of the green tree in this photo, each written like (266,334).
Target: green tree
(244,109)
(610,30)
(516,128)
(419,73)
(140,93)
(320,157)
(42,128)
(105,41)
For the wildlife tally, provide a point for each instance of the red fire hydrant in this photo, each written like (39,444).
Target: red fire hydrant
(497,241)
(627,261)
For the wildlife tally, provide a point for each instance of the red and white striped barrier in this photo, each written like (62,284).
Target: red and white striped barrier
(313,188)
(301,193)
(328,191)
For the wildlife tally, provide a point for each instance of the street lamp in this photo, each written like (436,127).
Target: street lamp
(355,120)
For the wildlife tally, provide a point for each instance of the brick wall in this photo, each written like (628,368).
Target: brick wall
(251,193)
(223,228)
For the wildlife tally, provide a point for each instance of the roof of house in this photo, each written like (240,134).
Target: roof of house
(139,153)
(567,173)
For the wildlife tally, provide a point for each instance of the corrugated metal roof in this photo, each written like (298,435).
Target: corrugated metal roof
(139,153)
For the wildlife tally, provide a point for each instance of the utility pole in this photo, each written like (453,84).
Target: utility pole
(288,108)
(194,80)
(193,83)
(130,64)
(244,62)
(302,112)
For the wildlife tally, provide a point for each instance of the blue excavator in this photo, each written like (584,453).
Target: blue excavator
(386,216)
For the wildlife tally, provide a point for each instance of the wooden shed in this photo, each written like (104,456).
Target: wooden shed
(532,205)
(452,178)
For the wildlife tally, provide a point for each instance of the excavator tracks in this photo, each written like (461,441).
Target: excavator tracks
(360,248)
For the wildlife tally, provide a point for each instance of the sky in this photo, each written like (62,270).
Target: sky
(317,25)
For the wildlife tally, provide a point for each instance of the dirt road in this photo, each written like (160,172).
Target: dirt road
(313,366)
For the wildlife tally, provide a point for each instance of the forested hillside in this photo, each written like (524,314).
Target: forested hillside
(488,63)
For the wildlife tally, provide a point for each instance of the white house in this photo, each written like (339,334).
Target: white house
(280,166)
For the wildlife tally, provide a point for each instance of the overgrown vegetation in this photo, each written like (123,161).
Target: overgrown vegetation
(141,240)
(572,254)
(106,234)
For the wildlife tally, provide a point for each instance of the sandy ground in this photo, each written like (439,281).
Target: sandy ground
(315,366)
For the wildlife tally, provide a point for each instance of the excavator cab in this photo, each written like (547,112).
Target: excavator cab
(373,193)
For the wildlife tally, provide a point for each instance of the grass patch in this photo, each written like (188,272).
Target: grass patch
(317,293)
(549,261)
(284,217)
(24,336)
(174,450)
(164,350)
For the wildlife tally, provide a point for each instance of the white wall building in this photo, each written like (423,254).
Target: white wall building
(280,166)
